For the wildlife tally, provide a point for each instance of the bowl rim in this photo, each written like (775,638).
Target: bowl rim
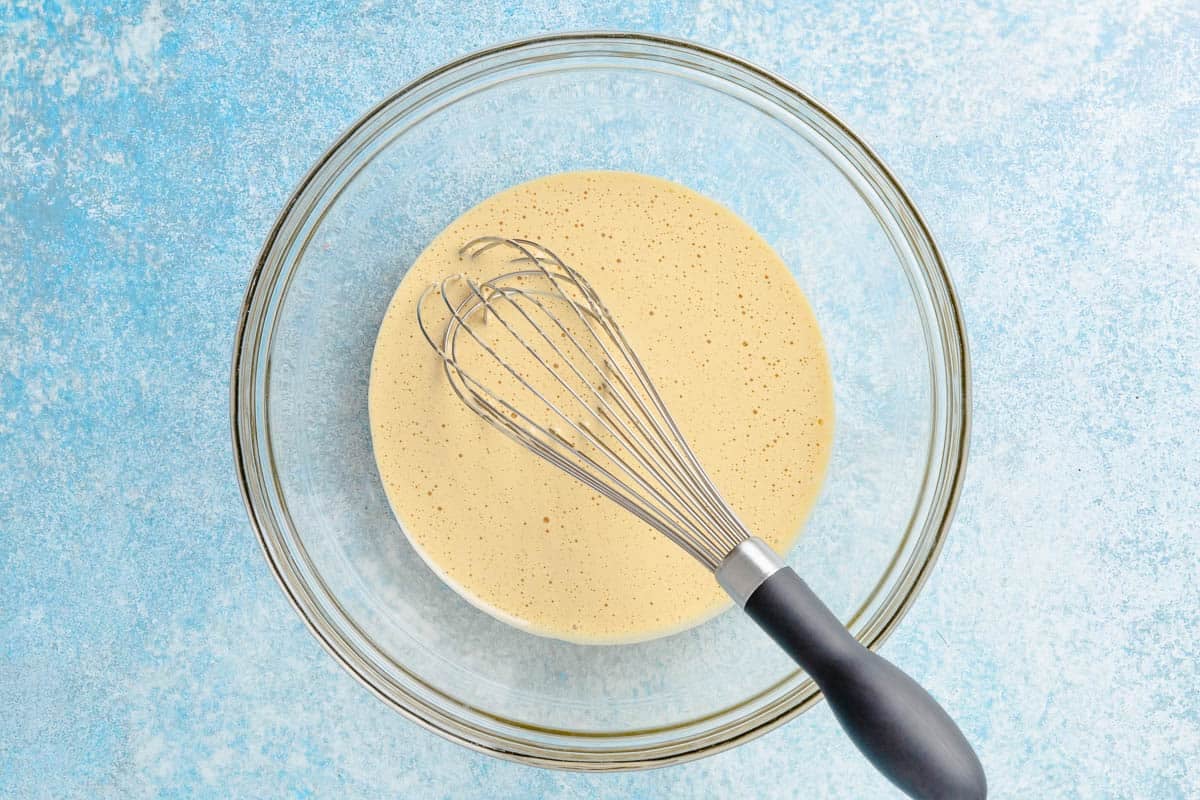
(948,322)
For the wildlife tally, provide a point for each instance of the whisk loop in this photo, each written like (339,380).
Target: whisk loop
(571,389)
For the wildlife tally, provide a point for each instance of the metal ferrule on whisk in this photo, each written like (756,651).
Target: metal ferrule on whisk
(746,568)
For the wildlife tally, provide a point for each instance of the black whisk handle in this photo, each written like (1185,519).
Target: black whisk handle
(896,724)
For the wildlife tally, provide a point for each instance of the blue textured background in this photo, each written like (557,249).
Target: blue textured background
(145,149)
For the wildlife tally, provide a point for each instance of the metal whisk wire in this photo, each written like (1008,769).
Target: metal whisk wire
(633,453)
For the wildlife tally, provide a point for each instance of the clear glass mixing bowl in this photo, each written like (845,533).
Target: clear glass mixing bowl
(838,218)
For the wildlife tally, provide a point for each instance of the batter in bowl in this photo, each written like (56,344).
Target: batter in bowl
(733,347)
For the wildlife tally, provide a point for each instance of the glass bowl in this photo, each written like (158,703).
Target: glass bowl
(834,213)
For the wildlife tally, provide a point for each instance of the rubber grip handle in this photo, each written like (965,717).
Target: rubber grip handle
(890,718)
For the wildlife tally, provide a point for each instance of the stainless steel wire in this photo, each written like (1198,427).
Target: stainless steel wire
(537,355)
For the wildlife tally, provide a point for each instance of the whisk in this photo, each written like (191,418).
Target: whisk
(537,354)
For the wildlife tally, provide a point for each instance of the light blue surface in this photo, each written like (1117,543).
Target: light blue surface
(145,150)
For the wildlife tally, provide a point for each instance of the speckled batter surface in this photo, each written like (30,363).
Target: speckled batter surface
(146,149)
(721,327)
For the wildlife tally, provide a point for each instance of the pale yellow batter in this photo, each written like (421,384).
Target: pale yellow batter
(732,345)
